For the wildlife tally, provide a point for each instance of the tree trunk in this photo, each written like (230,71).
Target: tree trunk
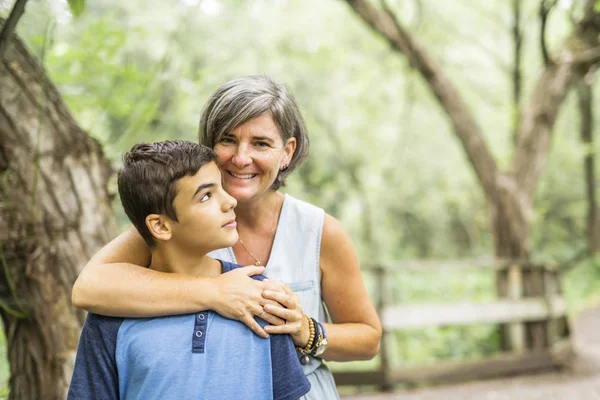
(510,224)
(584,94)
(55,214)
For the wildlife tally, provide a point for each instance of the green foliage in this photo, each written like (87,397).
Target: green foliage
(582,285)
(77,7)
(4,371)
(94,74)
(597,6)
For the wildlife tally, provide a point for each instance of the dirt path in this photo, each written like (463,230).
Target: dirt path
(580,382)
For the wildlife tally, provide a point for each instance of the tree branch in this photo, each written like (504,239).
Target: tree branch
(545,8)
(586,56)
(516,75)
(10,24)
(464,125)
(586,110)
(580,52)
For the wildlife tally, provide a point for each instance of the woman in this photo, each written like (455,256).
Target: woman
(258,134)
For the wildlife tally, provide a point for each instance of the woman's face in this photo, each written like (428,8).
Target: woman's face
(251,156)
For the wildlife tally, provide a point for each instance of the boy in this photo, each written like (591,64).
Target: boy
(172,193)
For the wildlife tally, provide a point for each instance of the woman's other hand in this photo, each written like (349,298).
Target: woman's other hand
(287,307)
(240,297)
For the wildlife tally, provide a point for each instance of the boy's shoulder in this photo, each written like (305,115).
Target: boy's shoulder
(229,266)
(102,322)
(100,328)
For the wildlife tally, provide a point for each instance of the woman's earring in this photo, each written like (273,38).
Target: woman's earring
(285,167)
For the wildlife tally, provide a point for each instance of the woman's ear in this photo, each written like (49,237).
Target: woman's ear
(159,227)
(288,152)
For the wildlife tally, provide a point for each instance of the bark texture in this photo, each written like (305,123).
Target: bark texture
(55,214)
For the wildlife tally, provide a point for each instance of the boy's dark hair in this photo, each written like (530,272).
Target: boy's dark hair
(147,182)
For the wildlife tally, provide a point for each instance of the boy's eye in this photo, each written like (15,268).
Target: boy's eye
(205,197)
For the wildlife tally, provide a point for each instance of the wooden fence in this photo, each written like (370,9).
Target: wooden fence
(529,310)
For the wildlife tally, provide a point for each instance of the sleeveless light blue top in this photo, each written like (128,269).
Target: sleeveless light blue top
(295,260)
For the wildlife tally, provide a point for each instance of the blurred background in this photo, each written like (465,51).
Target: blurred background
(385,157)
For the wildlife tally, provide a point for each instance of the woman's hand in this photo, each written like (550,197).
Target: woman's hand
(288,309)
(240,297)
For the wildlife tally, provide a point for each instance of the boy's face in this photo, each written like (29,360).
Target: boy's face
(204,210)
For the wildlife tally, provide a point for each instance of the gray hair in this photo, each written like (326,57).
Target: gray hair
(248,97)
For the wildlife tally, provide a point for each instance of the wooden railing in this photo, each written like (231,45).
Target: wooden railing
(529,309)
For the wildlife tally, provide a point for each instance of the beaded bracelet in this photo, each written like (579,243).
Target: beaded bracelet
(311,337)
(304,359)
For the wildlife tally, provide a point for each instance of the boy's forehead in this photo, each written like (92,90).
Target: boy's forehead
(207,174)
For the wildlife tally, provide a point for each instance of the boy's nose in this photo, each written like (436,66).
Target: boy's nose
(229,203)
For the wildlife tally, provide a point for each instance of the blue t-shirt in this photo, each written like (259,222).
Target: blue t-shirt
(192,356)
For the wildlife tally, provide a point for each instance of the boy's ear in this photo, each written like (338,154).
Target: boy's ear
(159,227)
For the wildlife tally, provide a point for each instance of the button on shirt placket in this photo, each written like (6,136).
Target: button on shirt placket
(199,337)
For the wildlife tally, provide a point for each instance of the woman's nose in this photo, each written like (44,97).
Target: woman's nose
(242,157)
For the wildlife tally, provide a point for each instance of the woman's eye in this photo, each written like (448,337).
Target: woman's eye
(205,197)
(262,144)
(227,140)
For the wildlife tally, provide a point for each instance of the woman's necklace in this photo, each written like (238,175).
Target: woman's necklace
(256,260)
(271,235)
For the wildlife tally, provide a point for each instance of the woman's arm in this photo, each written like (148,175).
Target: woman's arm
(356,331)
(114,283)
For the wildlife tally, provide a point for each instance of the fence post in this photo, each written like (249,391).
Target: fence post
(534,281)
(551,289)
(382,299)
(516,331)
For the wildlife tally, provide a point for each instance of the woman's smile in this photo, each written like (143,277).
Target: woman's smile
(241,176)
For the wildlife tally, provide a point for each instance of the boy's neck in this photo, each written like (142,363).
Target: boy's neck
(167,259)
